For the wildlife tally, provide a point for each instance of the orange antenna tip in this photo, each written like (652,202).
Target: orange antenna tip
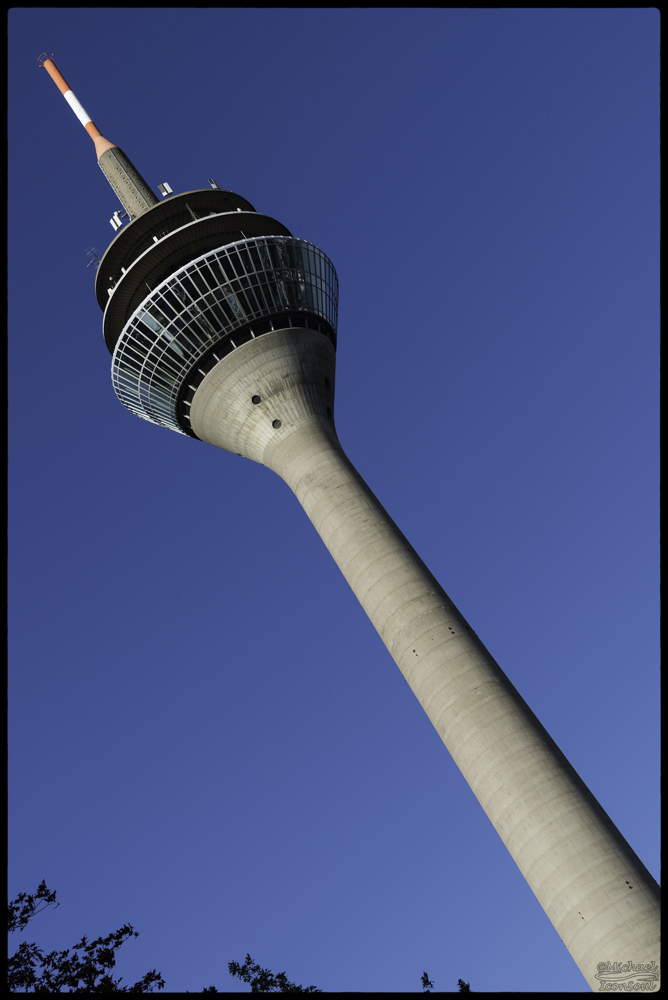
(101,144)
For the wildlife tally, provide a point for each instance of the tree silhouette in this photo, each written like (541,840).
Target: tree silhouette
(264,981)
(22,909)
(427,985)
(85,968)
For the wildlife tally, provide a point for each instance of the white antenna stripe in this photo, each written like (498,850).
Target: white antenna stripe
(82,115)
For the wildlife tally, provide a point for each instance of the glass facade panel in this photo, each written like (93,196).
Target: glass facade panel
(253,303)
(227,310)
(264,301)
(143,342)
(134,355)
(196,333)
(309,261)
(264,255)
(129,366)
(236,263)
(200,282)
(226,270)
(180,293)
(235,306)
(170,355)
(243,254)
(169,300)
(158,316)
(189,287)
(167,311)
(255,257)
(210,278)
(272,250)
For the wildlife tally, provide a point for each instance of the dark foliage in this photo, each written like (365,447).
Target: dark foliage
(427,985)
(22,909)
(85,968)
(264,981)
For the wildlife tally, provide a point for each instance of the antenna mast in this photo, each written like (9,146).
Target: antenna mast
(135,195)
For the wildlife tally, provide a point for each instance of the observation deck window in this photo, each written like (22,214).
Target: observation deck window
(200,282)
(190,288)
(179,292)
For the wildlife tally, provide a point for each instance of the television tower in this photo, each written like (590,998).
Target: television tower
(222,326)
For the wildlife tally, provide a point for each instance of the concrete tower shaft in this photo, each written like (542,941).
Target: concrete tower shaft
(272,401)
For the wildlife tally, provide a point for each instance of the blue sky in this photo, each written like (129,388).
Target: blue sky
(207,737)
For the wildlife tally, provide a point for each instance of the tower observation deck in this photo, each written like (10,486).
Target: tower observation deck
(222,326)
(194,278)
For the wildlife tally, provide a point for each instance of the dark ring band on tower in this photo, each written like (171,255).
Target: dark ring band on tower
(230,343)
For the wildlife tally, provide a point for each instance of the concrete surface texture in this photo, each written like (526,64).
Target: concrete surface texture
(135,195)
(272,401)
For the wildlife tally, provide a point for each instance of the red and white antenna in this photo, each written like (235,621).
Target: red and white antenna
(101,144)
(135,194)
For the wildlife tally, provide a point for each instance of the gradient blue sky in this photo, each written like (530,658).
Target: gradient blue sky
(208,738)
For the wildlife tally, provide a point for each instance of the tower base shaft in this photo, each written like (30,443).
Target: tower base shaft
(597,893)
